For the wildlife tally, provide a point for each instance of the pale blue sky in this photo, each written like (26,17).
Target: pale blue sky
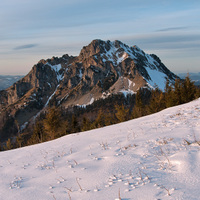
(34,29)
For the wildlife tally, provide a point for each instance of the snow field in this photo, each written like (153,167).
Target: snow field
(146,158)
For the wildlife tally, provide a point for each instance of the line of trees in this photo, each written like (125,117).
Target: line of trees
(57,122)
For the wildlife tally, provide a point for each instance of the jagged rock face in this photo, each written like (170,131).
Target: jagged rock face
(105,67)
(102,68)
(25,98)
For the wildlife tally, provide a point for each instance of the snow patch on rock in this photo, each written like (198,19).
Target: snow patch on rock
(157,78)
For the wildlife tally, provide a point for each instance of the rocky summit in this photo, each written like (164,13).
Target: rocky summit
(101,69)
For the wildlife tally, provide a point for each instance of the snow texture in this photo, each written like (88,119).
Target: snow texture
(89,103)
(80,74)
(142,159)
(127,92)
(51,96)
(118,52)
(157,78)
(57,69)
(131,83)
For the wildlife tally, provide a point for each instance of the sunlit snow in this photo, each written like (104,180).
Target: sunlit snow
(157,78)
(142,159)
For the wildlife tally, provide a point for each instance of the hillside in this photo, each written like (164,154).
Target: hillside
(153,157)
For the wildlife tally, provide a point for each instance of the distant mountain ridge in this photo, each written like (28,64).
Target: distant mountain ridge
(101,69)
(7,80)
(193,76)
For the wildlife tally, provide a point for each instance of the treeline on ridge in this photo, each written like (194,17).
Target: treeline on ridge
(58,121)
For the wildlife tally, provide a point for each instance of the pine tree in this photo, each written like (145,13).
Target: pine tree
(52,123)
(188,91)
(100,120)
(177,100)
(157,102)
(65,128)
(85,124)
(19,141)
(197,93)
(121,113)
(110,119)
(9,144)
(138,109)
(169,92)
(138,99)
(38,132)
(74,125)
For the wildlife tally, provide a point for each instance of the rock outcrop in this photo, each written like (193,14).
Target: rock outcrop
(101,69)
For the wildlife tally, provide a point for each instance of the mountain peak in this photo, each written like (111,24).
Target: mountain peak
(96,46)
(103,68)
(117,43)
(107,50)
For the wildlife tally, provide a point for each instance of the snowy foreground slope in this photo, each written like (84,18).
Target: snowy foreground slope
(145,159)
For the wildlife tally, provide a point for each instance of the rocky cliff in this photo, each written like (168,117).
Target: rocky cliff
(101,69)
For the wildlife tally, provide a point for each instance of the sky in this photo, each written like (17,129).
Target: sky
(31,30)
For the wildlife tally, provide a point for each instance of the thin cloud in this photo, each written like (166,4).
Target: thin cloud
(27,46)
(165,41)
(172,29)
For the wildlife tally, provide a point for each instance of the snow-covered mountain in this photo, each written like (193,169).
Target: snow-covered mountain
(101,69)
(153,157)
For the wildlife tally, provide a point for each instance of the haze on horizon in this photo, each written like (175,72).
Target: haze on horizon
(33,30)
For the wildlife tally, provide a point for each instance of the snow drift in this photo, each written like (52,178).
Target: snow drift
(153,157)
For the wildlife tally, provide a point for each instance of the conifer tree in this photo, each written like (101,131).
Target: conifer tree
(19,141)
(74,125)
(65,127)
(177,100)
(157,101)
(121,113)
(38,132)
(138,99)
(197,92)
(85,124)
(168,94)
(52,122)
(9,144)
(138,109)
(188,90)
(100,120)
(110,119)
